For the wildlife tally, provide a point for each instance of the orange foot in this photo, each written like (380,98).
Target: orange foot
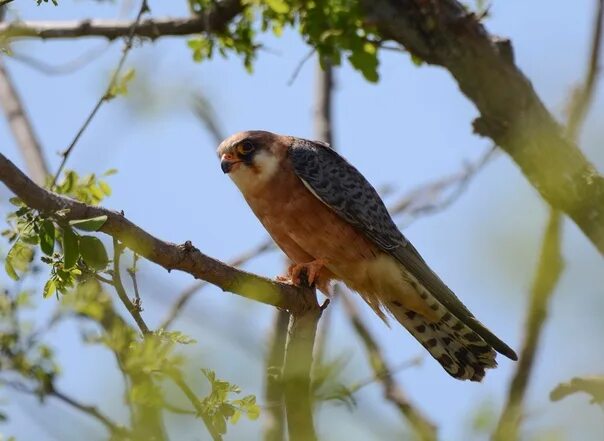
(312,270)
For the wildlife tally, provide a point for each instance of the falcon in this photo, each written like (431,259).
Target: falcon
(333,225)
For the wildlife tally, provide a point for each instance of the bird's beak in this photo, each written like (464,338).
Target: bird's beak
(227,162)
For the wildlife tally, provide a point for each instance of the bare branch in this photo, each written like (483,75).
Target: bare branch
(107,94)
(213,21)
(183,299)
(548,272)
(171,256)
(121,292)
(323,103)
(274,428)
(429,199)
(21,127)
(60,69)
(423,428)
(112,427)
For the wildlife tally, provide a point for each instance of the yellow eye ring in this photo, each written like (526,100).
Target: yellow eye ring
(245,148)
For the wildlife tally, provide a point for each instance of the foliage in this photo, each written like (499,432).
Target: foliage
(333,28)
(78,261)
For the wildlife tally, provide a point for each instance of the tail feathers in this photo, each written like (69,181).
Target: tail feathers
(461,351)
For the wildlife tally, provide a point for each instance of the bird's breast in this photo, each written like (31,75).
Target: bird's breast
(304,227)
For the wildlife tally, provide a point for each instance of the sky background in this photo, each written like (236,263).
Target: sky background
(411,127)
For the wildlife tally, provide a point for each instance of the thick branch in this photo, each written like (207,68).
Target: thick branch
(550,264)
(297,371)
(214,21)
(184,257)
(445,34)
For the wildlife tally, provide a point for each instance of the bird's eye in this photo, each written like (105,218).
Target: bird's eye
(245,148)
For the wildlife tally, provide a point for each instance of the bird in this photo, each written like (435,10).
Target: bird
(334,227)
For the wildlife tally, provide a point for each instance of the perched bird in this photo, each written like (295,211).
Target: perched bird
(331,223)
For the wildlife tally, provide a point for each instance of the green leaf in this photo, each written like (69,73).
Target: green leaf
(50,287)
(105,188)
(16,202)
(10,270)
(18,259)
(70,248)
(47,237)
(92,224)
(111,171)
(93,252)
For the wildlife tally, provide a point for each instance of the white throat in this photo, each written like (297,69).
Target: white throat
(250,180)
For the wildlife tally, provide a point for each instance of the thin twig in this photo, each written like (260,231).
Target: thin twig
(274,427)
(132,272)
(421,425)
(299,67)
(21,127)
(184,387)
(121,292)
(205,112)
(114,428)
(107,94)
(69,67)
(428,198)
(89,410)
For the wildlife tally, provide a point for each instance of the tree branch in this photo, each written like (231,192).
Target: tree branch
(443,33)
(214,20)
(423,428)
(274,427)
(108,91)
(550,263)
(297,369)
(21,127)
(184,257)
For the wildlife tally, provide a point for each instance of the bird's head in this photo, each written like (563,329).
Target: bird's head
(251,158)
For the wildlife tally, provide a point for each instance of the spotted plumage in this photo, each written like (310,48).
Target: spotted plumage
(328,219)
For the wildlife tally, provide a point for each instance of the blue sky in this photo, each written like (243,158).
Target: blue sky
(412,127)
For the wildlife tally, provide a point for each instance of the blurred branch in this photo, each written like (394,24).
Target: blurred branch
(108,91)
(550,262)
(214,20)
(184,387)
(205,112)
(324,85)
(297,369)
(422,427)
(184,257)
(274,428)
(299,67)
(593,386)
(187,294)
(22,129)
(548,272)
(113,428)
(71,66)
(444,33)
(428,198)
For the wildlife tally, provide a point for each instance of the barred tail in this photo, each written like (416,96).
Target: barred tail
(461,351)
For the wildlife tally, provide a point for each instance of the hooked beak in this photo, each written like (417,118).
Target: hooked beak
(227,162)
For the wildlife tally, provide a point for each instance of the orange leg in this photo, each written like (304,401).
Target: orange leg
(312,270)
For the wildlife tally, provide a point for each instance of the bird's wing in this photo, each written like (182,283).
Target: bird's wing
(341,187)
